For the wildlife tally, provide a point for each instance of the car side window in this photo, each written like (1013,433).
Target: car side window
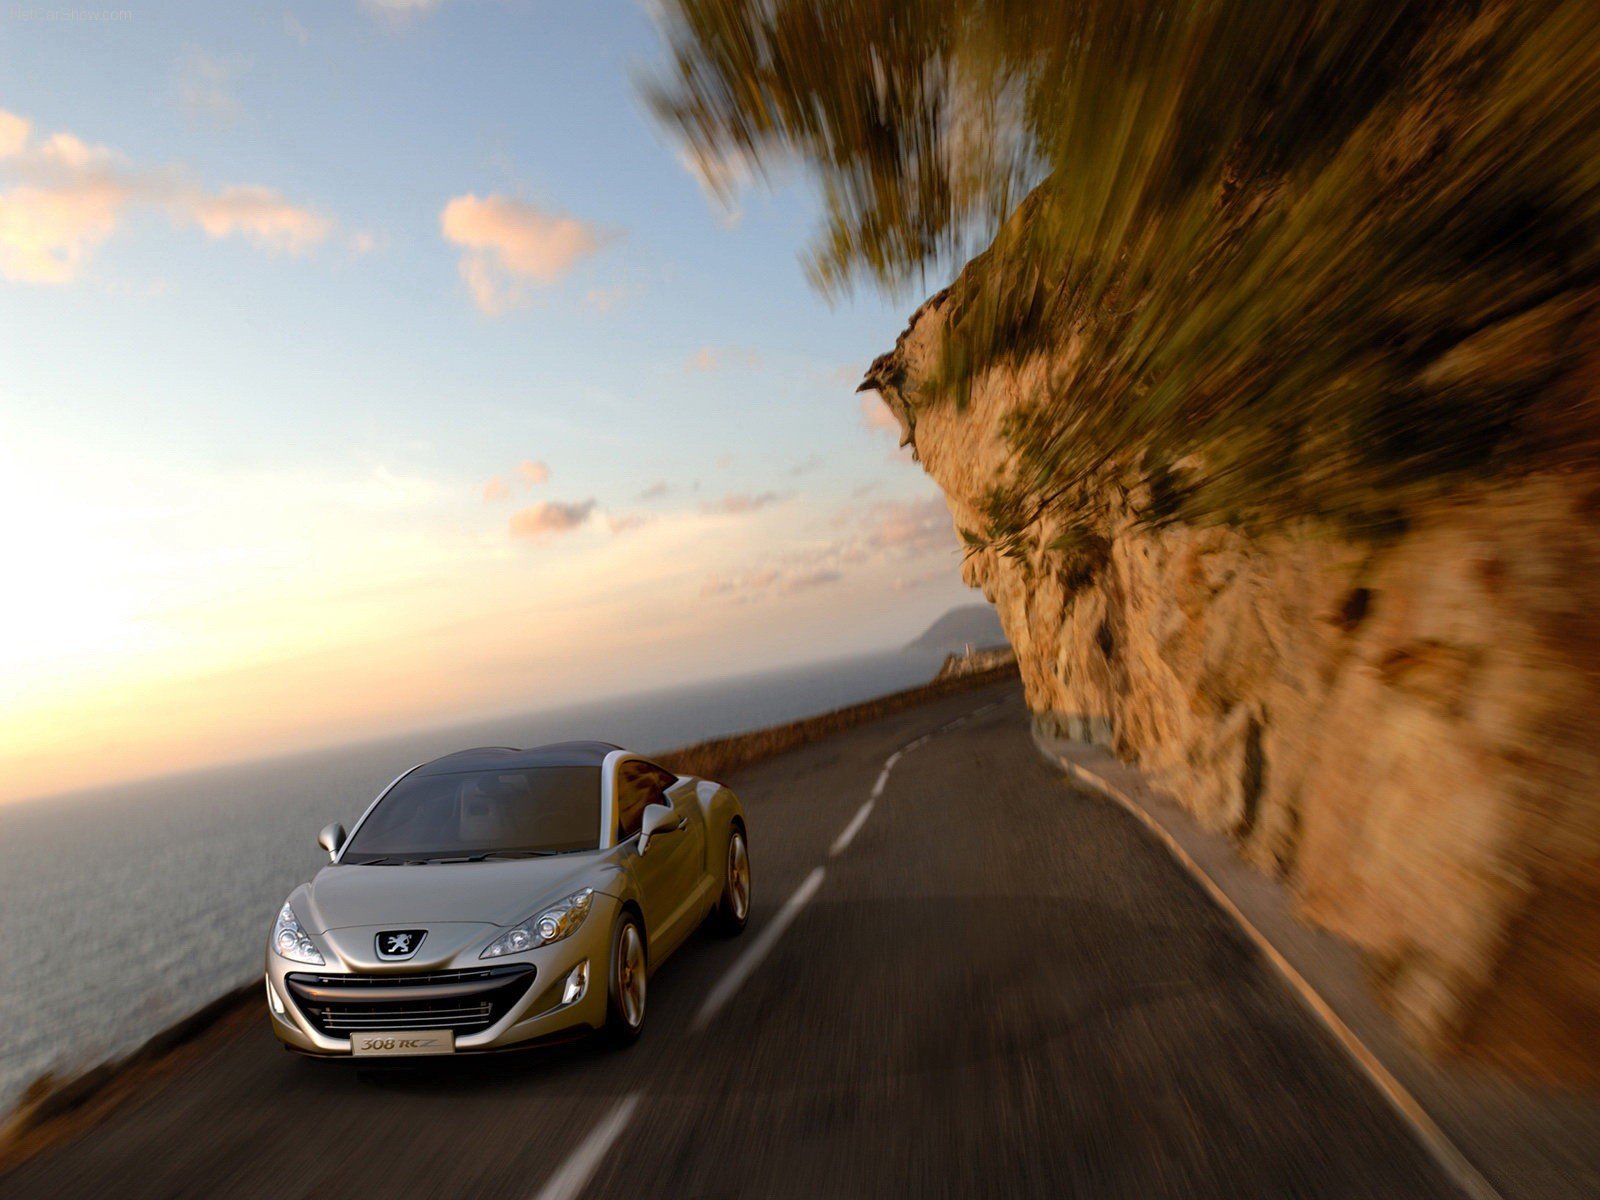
(660,780)
(638,786)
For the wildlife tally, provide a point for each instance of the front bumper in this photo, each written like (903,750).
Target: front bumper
(490,1004)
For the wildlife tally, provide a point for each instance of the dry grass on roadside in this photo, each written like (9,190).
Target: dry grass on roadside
(719,756)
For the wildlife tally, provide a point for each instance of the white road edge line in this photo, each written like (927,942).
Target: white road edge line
(1434,1140)
(746,964)
(574,1175)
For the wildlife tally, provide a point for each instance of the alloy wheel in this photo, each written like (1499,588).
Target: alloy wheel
(738,876)
(630,975)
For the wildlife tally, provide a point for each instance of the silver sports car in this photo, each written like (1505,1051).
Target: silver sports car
(496,896)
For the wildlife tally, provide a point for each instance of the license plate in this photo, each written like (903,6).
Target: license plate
(398,1042)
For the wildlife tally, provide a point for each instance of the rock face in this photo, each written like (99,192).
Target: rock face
(1405,730)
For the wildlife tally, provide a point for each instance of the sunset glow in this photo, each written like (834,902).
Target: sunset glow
(292,454)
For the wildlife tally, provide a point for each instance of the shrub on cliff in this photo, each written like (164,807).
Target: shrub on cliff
(1275,260)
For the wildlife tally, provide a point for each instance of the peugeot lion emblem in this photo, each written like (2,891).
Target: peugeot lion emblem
(399,943)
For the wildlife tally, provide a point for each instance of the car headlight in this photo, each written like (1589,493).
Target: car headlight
(554,923)
(289,940)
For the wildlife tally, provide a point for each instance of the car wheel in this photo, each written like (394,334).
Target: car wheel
(733,909)
(627,982)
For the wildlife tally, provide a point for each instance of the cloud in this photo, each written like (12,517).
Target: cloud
(67,197)
(511,245)
(739,503)
(549,518)
(400,8)
(875,415)
(904,583)
(767,581)
(915,533)
(46,236)
(295,29)
(892,530)
(495,490)
(656,490)
(13,133)
(487,293)
(206,81)
(258,214)
(71,201)
(909,525)
(626,522)
(708,359)
(807,580)
(806,465)
(604,299)
(533,473)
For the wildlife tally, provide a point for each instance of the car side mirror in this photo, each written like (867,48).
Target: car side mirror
(331,838)
(658,820)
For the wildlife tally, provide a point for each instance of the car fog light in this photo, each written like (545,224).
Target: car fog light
(275,1004)
(577,983)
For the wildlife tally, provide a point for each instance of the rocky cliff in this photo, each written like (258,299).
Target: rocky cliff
(1269,416)
(1403,727)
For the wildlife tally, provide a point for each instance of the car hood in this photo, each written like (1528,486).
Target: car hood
(494,893)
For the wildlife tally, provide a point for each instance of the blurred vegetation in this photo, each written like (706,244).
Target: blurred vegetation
(1310,258)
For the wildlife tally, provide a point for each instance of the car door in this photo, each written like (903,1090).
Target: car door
(670,872)
(688,845)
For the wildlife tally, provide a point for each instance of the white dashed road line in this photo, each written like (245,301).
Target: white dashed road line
(848,835)
(883,775)
(842,842)
(568,1183)
(747,962)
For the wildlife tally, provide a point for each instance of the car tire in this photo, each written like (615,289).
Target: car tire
(733,906)
(627,982)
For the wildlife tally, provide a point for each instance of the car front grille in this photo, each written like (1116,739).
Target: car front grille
(464,1001)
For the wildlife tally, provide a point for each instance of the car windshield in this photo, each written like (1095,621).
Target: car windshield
(480,815)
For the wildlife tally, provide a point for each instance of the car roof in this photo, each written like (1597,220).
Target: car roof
(500,758)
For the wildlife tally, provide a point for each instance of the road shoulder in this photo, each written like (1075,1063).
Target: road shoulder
(1496,1138)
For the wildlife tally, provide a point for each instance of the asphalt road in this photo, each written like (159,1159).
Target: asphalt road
(998,987)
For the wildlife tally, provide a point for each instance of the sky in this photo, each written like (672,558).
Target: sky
(365,365)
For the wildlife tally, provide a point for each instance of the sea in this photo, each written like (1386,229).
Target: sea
(126,908)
